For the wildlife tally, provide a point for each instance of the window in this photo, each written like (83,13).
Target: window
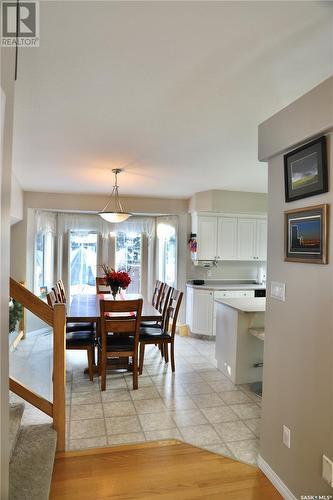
(128,258)
(167,253)
(44,262)
(82,262)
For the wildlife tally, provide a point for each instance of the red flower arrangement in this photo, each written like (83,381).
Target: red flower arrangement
(116,279)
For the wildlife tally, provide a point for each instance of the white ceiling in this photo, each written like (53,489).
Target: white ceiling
(172,92)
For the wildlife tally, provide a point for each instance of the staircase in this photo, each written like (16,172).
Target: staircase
(32,447)
(32,450)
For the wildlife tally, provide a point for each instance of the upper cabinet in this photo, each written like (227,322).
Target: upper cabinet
(224,237)
(246,239)
(227,238)
(207,241)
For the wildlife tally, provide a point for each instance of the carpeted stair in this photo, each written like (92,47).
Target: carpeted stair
(32,451)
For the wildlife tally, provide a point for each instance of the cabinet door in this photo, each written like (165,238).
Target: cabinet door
(207,238)
(262,239)
(246,230)
(203,301)
(189,307)
(227,238)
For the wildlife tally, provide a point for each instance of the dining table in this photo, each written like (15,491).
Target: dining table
(83,308)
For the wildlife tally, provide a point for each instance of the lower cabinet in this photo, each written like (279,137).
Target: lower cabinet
(201,308)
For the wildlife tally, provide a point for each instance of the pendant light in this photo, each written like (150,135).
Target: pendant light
(117,213)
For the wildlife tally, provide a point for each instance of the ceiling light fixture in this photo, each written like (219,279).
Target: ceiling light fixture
(117,214)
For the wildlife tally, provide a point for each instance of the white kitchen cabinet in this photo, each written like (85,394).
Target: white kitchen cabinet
(207,238)
(246,234)
(199,310)
(201,307)
(262,239)
(189,307)
(227,238)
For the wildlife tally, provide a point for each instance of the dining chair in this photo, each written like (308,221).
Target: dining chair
(78,339)
(60,297)
(166,334)
(157,293)
(161,307)
(61,289)
(120,329)
(101,287)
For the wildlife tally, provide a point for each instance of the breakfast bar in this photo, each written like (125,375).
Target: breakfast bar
(239,354)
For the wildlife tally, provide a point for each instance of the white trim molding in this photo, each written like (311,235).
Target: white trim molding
(275,480)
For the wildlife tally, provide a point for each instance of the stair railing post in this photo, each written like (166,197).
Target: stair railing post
(59,374)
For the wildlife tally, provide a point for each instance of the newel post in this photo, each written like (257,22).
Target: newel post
(59,374)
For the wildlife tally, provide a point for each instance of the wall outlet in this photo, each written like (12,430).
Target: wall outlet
(286,436)
(278,291)
(327,470)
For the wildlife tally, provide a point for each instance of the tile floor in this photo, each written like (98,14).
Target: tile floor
(196,404)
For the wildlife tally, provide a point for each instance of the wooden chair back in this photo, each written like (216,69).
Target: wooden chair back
(61,290)
(157,293)
(164,302)
(101,287)
(174,303)
(57,294)
(51,298)
(122,317)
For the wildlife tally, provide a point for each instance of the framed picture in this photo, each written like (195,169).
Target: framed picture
(305,170)
(306,235)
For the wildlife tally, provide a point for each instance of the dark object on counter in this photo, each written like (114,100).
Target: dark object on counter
(198,282)
(260,293)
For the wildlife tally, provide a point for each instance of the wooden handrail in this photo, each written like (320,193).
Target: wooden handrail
(31,302)
(59,373)
(38,401)
(57,319)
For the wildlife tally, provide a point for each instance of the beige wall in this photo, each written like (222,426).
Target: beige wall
(16,201)
(94,203)
(298,357)
(229,202)
(7,106)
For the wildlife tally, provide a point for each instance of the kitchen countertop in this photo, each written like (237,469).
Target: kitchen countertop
(250,304)
(232,285)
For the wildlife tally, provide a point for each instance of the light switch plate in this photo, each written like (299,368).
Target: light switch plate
(278,291)
(327,470)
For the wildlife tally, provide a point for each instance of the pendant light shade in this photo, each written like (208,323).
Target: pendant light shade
(116,214)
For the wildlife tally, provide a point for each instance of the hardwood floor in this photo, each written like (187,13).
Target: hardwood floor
(166,470)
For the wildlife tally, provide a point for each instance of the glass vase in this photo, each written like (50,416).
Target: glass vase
(114,291)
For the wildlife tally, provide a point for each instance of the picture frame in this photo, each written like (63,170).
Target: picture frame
(306,234)
(305,170)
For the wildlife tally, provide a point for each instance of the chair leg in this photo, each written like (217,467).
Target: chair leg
(135,371)
(166,353)
(161,345)
(172,353)
(142,356)
(90,354)
(99,361)
(103,370)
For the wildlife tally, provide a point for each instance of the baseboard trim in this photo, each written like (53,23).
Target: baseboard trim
(275,480)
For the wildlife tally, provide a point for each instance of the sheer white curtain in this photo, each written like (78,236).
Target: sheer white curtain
(167,248)
(107,232)
(46,222)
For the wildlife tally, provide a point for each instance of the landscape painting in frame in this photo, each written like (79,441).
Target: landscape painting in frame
(306,235)
(305,170)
